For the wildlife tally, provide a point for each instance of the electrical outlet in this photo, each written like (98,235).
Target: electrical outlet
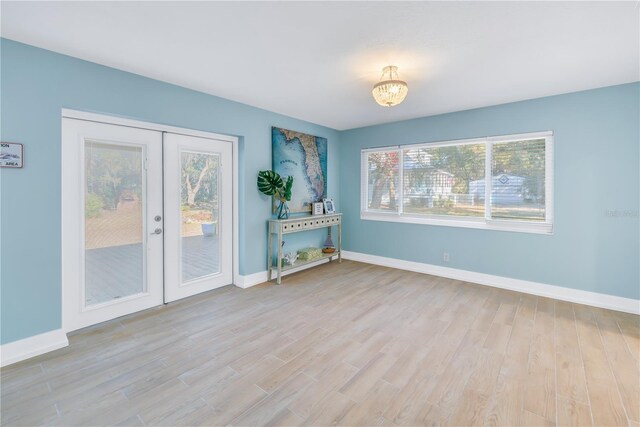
(445,256)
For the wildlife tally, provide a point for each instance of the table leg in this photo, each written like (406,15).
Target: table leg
(329,234)
(279,260)
(270,256)
(340,242)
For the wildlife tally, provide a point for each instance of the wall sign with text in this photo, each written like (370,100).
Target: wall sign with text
(11,155)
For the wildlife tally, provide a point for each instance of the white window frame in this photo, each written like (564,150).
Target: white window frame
(486,222)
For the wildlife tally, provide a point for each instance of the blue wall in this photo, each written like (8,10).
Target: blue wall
(597,164)
(35,85)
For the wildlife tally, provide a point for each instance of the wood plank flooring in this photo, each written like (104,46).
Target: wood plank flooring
(342,344)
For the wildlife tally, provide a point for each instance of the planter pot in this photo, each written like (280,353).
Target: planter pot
(208,228)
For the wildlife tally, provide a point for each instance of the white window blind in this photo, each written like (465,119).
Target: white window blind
(382,174)
(436,180)
(495,182)
(518,180)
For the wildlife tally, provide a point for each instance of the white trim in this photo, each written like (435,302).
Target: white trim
(611,302)
(436,144)
(462,222)
(400,191)
(364,179)
(520,136)
(33,346)
(465,141)
(549,178)
(236,210)
(488,179)
(115,120)
(249,280)
(377,149)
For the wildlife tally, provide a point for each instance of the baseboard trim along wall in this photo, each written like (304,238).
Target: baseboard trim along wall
(594,299)
(36,345)
(250,280)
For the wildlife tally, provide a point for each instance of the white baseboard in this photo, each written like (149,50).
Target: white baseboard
(36,345)
(594,299)
(249,280)
(261,276)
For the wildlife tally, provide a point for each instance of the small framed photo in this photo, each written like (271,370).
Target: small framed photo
(329,207)
(318,208)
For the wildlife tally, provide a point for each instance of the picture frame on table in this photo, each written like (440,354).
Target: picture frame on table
(329,206)
(318,208)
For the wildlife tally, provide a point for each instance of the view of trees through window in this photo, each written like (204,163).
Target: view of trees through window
(449,180)
(436,180)
(383,180)
(199,213)
(517,190)
(113,173)
(199,191)
(113,194)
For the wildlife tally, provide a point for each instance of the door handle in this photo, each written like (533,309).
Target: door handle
(157,231)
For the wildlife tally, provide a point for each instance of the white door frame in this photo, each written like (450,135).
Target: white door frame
(107,119)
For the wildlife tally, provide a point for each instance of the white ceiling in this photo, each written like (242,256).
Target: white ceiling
(318,61)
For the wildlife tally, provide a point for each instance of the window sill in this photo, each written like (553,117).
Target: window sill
(462,222)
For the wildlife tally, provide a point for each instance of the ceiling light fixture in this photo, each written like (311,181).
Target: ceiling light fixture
(392,91)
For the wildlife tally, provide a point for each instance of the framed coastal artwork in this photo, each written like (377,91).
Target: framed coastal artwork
(304,157)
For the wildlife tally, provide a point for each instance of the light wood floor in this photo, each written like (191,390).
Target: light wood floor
(350,344)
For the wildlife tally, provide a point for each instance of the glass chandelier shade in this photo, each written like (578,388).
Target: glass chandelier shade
(391,91)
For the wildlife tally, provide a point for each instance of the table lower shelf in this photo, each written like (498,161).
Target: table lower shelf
(301,263)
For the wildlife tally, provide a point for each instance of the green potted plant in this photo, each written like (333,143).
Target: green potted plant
(272,184)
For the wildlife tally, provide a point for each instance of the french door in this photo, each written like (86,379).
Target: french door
(198,215)
(120,254)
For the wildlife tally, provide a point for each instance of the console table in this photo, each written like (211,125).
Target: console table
(280,227)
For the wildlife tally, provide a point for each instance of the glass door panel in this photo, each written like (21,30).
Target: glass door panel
(114,222)
(199,208)
(198,215)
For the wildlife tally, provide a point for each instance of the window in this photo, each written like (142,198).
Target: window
(502,183)
(436,180)
(383,180)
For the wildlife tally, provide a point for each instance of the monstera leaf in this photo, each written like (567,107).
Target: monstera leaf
(269,182)
(287,188)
